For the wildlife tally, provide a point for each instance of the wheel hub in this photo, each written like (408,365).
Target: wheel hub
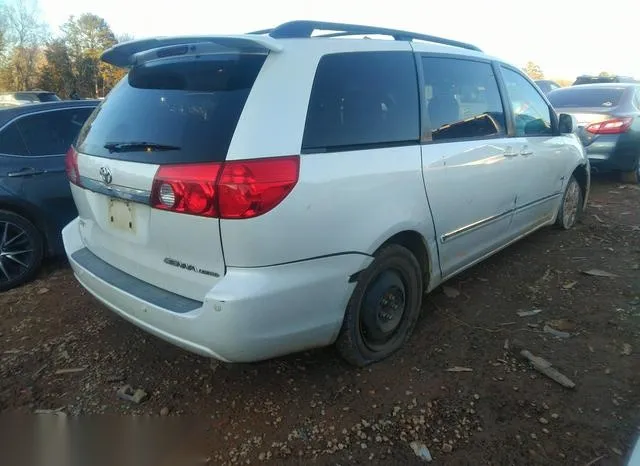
(570,208)
(390,307)
(382,309)
(16,251)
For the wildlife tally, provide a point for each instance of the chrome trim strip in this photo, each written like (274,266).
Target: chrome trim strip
(538,202)
(491,253)
(494,218)
(474,226)
(141,196)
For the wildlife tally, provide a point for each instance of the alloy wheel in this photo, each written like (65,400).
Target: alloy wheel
(570,206)
(17,251)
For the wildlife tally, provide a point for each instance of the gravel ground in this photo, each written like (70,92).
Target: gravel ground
(61,350)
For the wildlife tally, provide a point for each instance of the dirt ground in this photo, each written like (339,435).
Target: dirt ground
(313,409)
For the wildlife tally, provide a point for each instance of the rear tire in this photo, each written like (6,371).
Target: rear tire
(21,250)
(571,206)
(383,309)
(632,176)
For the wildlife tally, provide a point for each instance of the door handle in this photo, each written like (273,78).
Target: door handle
(25,172)
(509,152)
(526,151)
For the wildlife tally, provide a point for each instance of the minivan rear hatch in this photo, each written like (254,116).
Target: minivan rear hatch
(170,116)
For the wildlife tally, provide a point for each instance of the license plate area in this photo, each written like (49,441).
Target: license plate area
(121,215)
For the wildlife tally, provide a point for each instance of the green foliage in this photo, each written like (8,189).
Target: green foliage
(57,73)
(86,37)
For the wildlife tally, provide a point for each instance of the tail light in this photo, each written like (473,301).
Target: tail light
(613,126)
(71,166)
(231,190)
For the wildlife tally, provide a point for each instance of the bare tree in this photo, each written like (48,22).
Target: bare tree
(87,36)
(124,37)
(3,31)
(23,37)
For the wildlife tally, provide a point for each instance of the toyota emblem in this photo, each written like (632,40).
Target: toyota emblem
(106,176)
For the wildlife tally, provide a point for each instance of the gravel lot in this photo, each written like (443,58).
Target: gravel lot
(61,350)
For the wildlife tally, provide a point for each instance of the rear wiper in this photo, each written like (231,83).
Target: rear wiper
(138,146)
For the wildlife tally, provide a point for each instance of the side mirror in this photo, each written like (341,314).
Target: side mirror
(567,124)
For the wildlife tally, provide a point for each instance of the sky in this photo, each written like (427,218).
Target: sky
(566,38)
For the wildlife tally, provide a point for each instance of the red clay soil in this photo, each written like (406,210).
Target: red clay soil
(313,409)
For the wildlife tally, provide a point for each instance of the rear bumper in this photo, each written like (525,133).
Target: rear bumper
(251,314)
(611,152)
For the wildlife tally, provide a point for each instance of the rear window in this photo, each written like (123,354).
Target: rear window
(584,97)
(173,111)
(49,97)
(11,142)
(363,100)
(30,97)
(51,133)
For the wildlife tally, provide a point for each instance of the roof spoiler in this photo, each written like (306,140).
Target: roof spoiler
(135,52)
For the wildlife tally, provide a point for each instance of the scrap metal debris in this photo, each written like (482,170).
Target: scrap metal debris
(136,396)
(450,292)
(555,333)
(529,313)
(71,370)
(564,325)
(459,369)
(115,377)
(421,451)
(599,273)
(544,367)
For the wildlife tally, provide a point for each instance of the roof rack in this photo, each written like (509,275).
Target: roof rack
(305,29)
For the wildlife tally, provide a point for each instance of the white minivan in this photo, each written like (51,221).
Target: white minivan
(254,195)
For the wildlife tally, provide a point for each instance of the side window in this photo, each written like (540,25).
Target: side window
(531,113)
(463,100)
(362,99)
(26,97)
(51,133)
(11,142)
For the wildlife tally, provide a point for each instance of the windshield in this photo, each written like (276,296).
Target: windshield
(605,97)
(173,111)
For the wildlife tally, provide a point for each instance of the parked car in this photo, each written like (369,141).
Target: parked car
(12,99)
(242,214)
(634,456)
(547,85)
(35,198)
(587,79)
(608,117)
